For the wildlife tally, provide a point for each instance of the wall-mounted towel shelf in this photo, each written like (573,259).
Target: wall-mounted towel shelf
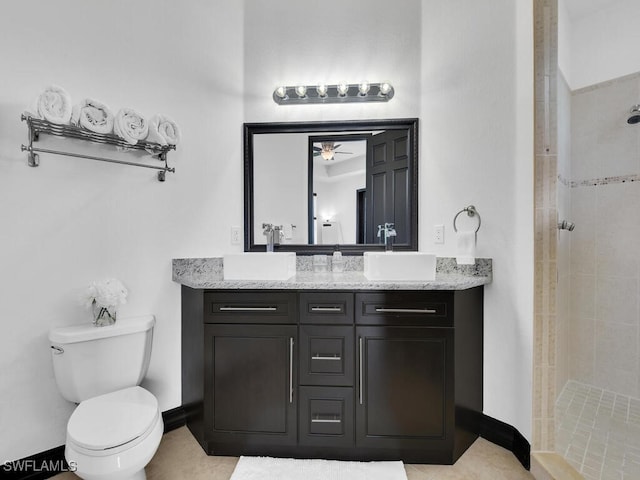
(37,126)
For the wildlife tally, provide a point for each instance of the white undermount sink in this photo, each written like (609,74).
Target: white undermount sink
(259,266)
(399,266)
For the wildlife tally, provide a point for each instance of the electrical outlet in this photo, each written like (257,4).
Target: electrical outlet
(438,234)
(236,235)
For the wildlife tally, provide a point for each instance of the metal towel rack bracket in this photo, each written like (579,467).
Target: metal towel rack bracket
(37,126)
(472,212)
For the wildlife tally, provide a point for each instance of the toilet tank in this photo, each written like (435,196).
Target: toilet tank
(90,361)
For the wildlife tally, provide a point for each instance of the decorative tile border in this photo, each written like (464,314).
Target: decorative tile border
(593,182)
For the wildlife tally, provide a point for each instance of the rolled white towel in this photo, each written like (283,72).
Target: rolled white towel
(163,130)
(54,105)
(92,115)
(130,125)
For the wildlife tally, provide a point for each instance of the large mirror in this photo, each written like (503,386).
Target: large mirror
(331,183)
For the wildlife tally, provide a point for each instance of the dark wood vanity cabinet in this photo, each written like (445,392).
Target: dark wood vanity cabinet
(366,375)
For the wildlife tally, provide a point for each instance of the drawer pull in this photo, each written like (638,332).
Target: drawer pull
(427,311)
(248,309)
(326,309)
(318,356)
(326,419)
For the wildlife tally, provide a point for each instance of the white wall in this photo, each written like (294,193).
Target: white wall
(331,41)
(564,40)
(280,197)
(604,44)
(477,148)
(71,221)
(337,202)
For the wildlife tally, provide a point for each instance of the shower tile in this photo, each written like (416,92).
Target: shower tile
(613,259)
(599,450)
(581,351)
(582,300)
(617,300)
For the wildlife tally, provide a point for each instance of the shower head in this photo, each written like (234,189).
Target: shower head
(634,115)
(564,225)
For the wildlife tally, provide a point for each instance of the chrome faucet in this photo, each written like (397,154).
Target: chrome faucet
(274,235)
(387,232)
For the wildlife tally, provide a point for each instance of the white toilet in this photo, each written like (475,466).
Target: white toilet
(116,428)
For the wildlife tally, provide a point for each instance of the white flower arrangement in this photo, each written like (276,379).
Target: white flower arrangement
(104,297)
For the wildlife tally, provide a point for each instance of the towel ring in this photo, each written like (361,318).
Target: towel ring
(472,212)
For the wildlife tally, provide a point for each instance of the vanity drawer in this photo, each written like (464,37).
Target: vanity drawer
(428,308)
(326,307)
(250,307)
(326,355)
(326,413)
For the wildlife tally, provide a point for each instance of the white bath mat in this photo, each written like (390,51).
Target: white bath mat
(267,468)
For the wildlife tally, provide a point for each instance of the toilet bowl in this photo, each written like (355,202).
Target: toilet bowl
(113,436)
(117,426)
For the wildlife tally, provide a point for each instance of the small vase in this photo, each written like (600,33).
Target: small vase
(102,316)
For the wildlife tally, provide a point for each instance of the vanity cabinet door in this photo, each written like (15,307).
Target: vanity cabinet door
(250,373)
(404,391)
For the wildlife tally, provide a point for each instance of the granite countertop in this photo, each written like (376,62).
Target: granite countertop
(208,273)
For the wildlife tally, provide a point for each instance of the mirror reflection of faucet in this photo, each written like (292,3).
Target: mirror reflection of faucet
(274,234)
(386,233)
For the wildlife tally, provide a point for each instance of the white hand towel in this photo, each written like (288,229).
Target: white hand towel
(92,115)
(466,248)
(163,130)
(130,126)
(54,105)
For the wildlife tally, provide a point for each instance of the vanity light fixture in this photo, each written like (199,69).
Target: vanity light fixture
(340,93)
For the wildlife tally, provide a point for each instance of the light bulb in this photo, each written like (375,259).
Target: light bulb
(281,92)
(322,90)
(343,88)
(301,91)
(385,88)
(363,88)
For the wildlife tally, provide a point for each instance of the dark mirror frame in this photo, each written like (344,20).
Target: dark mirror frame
(333,127)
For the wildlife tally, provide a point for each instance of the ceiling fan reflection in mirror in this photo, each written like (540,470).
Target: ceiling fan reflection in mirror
(328,150)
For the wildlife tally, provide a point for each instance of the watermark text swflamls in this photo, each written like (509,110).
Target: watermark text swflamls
(36,466)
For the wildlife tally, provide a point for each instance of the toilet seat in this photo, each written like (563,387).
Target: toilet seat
(118,419)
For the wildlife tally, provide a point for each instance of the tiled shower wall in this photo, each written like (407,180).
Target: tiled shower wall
(546,215)
(604,345)
(564,236)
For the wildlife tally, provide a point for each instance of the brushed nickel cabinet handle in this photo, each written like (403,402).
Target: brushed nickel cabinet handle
(326,309)
(405,310)
(319,419)
(319,356)
(291,370)
(360,373)
(248,309)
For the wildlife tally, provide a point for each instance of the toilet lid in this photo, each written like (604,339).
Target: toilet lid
(112,419)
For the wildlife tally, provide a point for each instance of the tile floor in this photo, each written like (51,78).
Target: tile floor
(599,432)
(181,458)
